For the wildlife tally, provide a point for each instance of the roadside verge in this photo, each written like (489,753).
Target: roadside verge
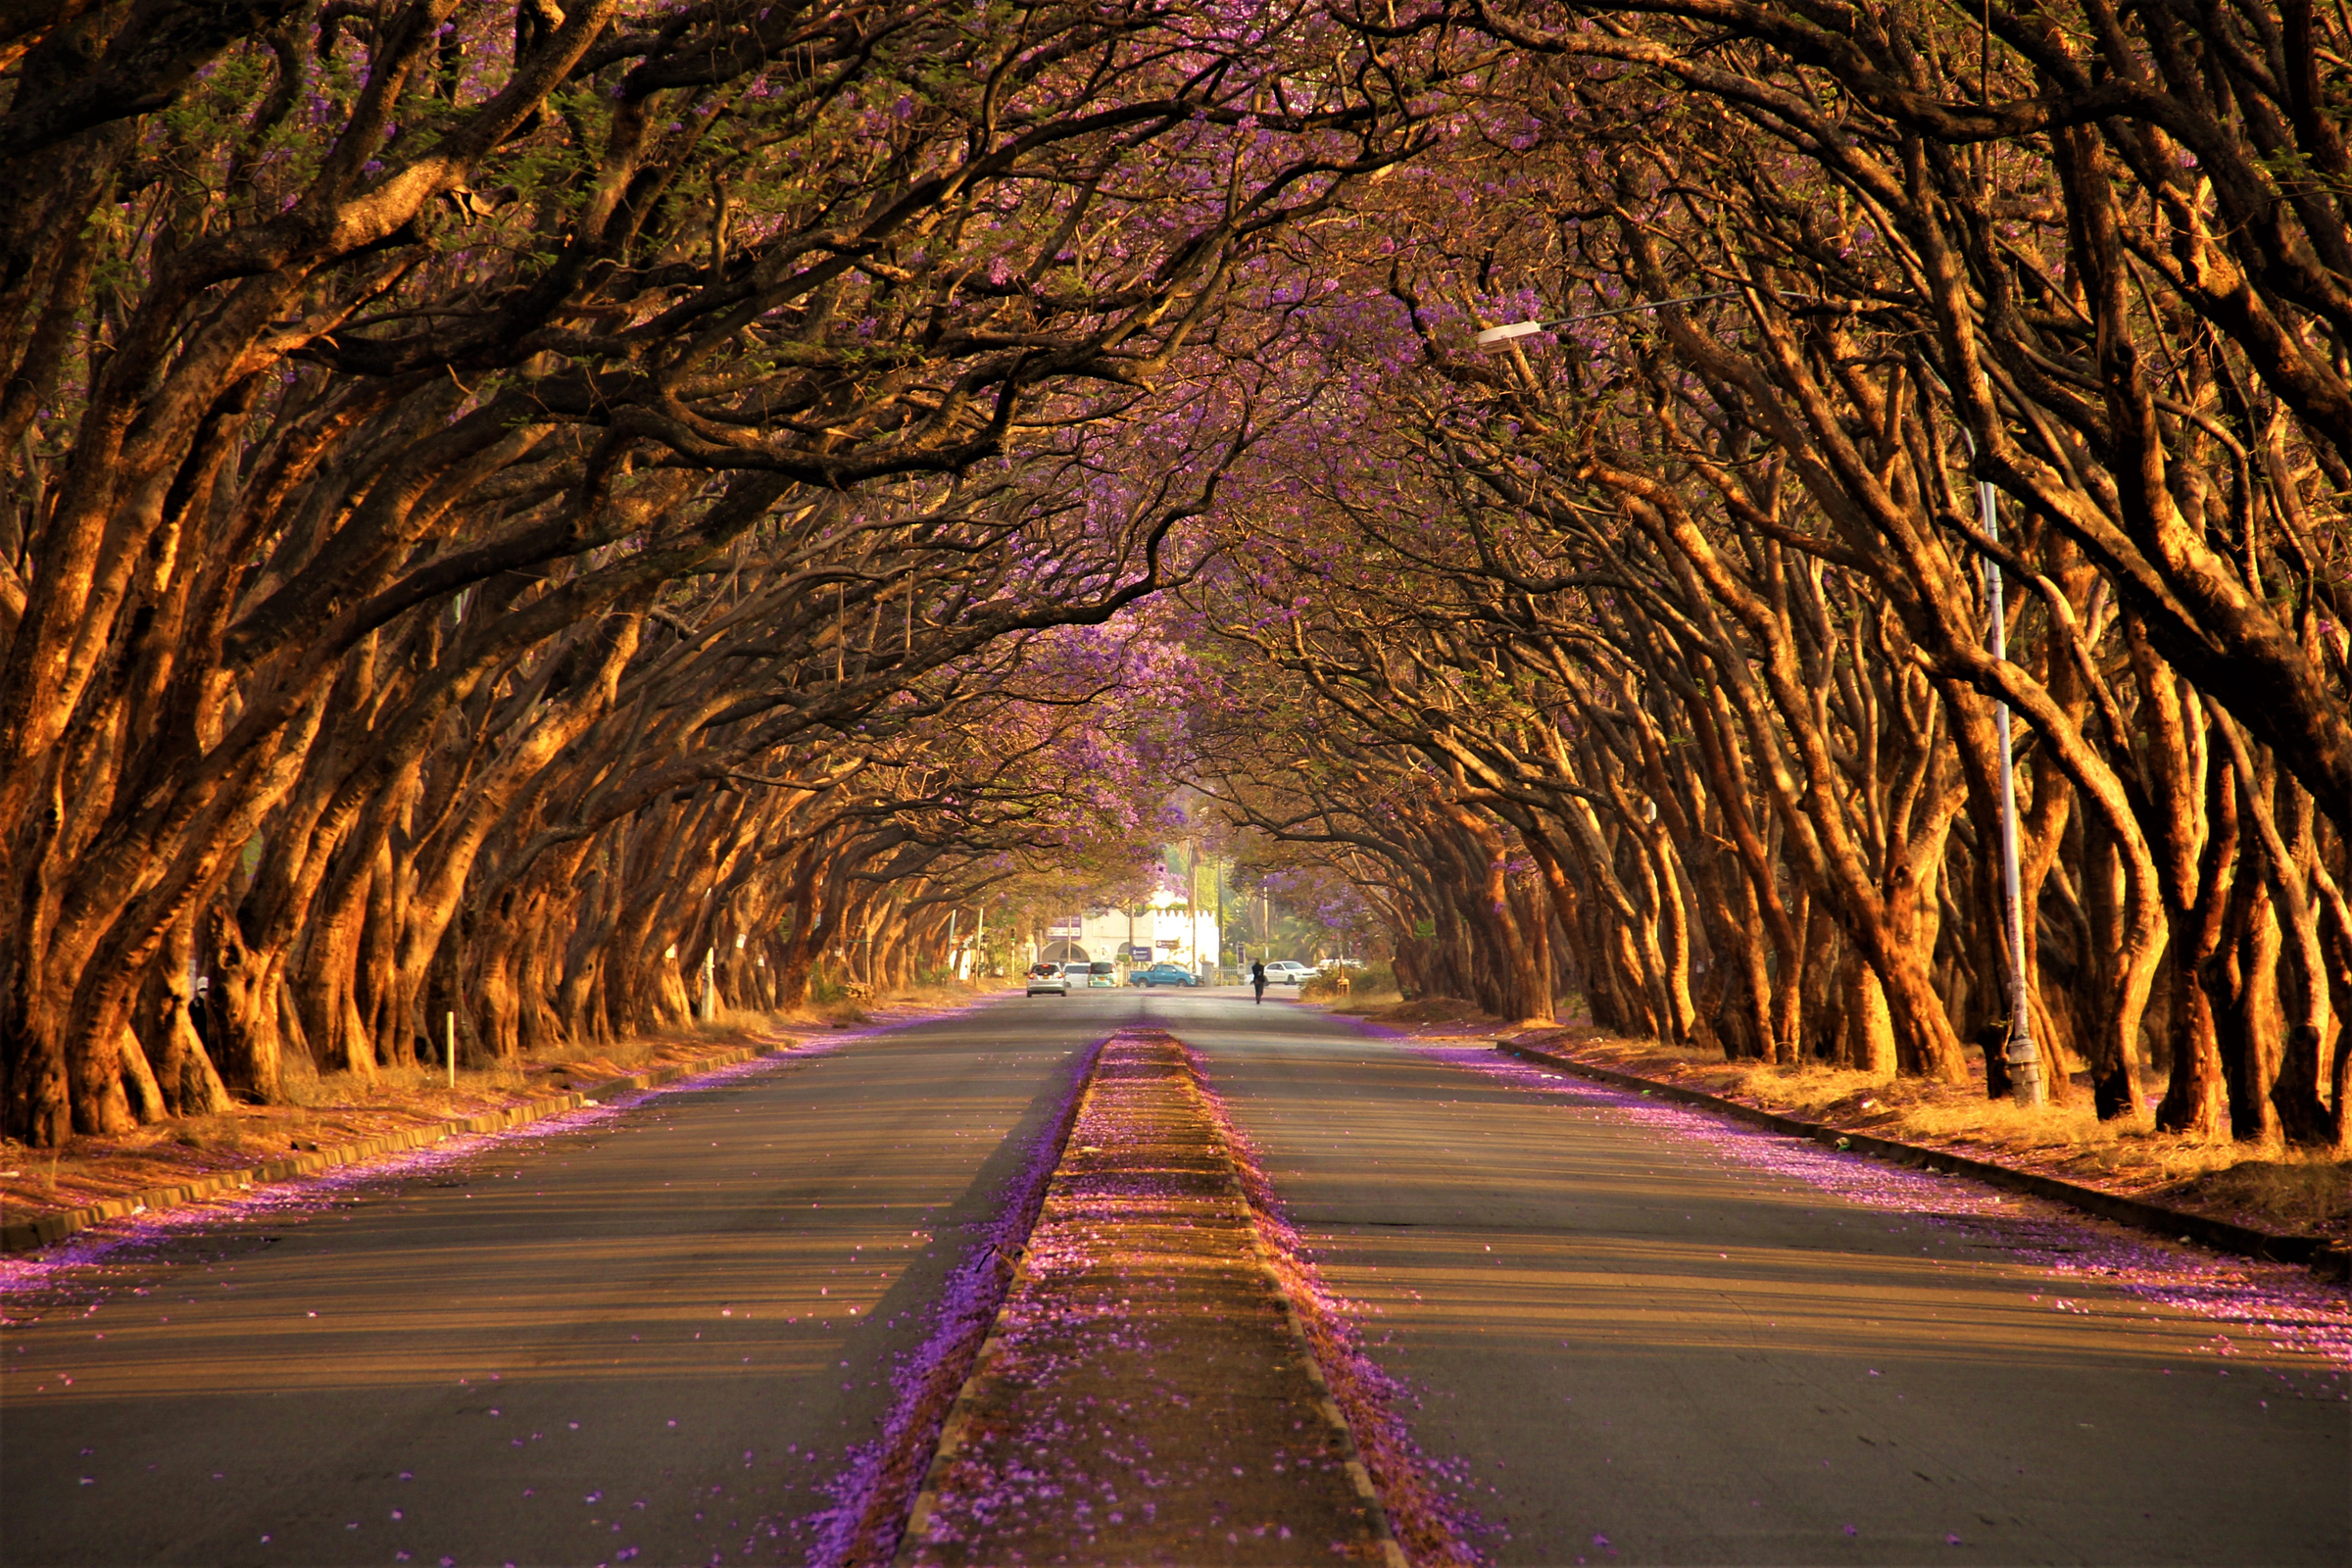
(2327,1257)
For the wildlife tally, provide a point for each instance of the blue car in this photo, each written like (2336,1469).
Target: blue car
(1163,974)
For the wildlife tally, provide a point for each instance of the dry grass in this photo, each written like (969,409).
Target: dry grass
(1414,1017)
(324,1111)
(2306,1192)
(1360,997)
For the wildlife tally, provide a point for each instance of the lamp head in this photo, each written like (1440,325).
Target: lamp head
(1503,334)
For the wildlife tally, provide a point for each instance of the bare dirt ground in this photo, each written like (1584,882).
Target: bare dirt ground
(335,1108)
(2249,1184)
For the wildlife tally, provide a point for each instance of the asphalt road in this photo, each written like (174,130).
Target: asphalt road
(658,1339)
(1642,1346)
(649,1341)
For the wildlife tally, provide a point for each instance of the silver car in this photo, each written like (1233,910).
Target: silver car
(1047,980)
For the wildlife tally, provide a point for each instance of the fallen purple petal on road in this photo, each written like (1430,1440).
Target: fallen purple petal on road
(2285,1306)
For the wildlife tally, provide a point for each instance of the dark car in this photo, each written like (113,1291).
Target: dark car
(1163,974)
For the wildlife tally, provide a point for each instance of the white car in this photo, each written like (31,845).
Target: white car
(1282,972)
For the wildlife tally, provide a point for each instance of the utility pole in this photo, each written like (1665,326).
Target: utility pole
(2027,1084)
(1217,871)
(1192,896)
(2023,1057)
(2025,1081)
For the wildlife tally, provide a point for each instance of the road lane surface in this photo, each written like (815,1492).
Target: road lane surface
(649,1340)
(1645,1345)
(1640,1342)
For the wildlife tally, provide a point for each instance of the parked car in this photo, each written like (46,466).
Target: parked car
(1047,980)
(1285,972)
(1163,974)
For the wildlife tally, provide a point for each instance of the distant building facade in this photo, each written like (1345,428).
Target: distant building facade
(1166,933)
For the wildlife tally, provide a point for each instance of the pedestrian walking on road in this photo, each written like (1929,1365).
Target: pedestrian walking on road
(1257,979)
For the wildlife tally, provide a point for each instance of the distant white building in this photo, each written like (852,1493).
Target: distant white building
(1165,931)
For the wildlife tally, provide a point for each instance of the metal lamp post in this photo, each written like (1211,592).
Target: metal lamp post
(2028,1085)
(2022,1055)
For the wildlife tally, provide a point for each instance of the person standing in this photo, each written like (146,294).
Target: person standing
(1258,980)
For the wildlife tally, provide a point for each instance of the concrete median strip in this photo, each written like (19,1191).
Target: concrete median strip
(2322,1255)
(1146,1394)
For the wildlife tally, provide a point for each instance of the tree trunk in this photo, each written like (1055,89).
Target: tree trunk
(1869,1022)
(184,1071)
(244,1012)
(141,1090)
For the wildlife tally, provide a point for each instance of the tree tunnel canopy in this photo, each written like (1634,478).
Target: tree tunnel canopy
(509,503)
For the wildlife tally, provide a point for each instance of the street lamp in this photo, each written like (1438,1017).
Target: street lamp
(1503,334)
(2028,1084)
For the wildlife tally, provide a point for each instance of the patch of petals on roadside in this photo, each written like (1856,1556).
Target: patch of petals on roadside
(118,1242)
(2282,1307)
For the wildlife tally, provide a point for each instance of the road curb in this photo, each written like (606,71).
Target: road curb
(2329,1259)
(27,1236)
(1013,1268)
(1010,1267)
(1359,1474)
